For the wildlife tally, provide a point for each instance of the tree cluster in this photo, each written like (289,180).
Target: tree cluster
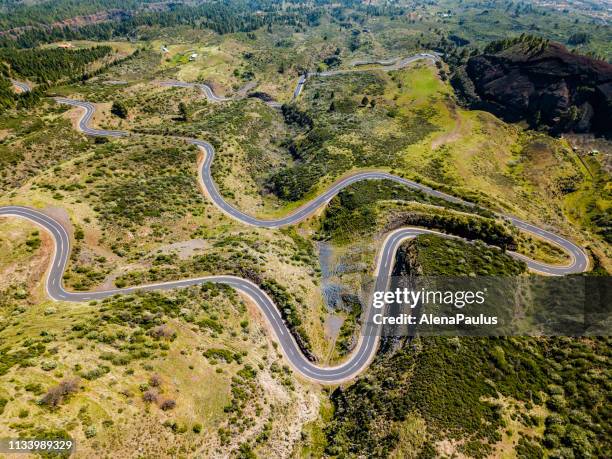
(532,42)
(51,65)
(221,17)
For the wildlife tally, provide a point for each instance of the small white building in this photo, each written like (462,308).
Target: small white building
(193,57)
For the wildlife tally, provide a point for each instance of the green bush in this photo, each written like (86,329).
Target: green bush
(222,354)
(119,109)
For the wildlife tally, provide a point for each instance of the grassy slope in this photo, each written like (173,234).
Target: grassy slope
(101,187)
(126,213)
(24,254)
(471,150)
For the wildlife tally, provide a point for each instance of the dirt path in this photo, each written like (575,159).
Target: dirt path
(451,136)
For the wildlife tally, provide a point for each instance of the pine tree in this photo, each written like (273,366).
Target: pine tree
(183,113)
(118,109)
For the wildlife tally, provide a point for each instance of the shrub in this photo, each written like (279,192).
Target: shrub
(168,404)
(35,388)
(294,115)
(155,380)
(91,431)
(162,332)
(222,354)
(211,324)
(292,183)
(579,38)
(95,373)
(149,396)
(183,112)
(57,394)
(119,109)
(48,365)
(248,372)
(246,452)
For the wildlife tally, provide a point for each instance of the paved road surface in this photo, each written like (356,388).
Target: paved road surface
(88,112)
(388,65)
(24,87)
(207,90)
(210,94)
(579,258)
(366,348)
(359,359)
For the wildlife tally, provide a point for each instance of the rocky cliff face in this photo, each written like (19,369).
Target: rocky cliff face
(546,85)
(405,270)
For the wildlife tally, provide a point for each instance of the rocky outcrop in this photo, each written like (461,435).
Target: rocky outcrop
(544,84)
(75,22)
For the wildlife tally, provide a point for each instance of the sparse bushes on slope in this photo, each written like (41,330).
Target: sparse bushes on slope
(460,387)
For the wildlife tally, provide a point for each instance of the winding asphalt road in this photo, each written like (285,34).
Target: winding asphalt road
(330,375)
(207,90)
(579,260)
(387,66)
(89,110)
(368,343)
(210,94)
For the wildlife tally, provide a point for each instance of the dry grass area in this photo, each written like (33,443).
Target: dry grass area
(214,64)
(514,414)
(529,174)
(25,251)
(37,141)
(412,436)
